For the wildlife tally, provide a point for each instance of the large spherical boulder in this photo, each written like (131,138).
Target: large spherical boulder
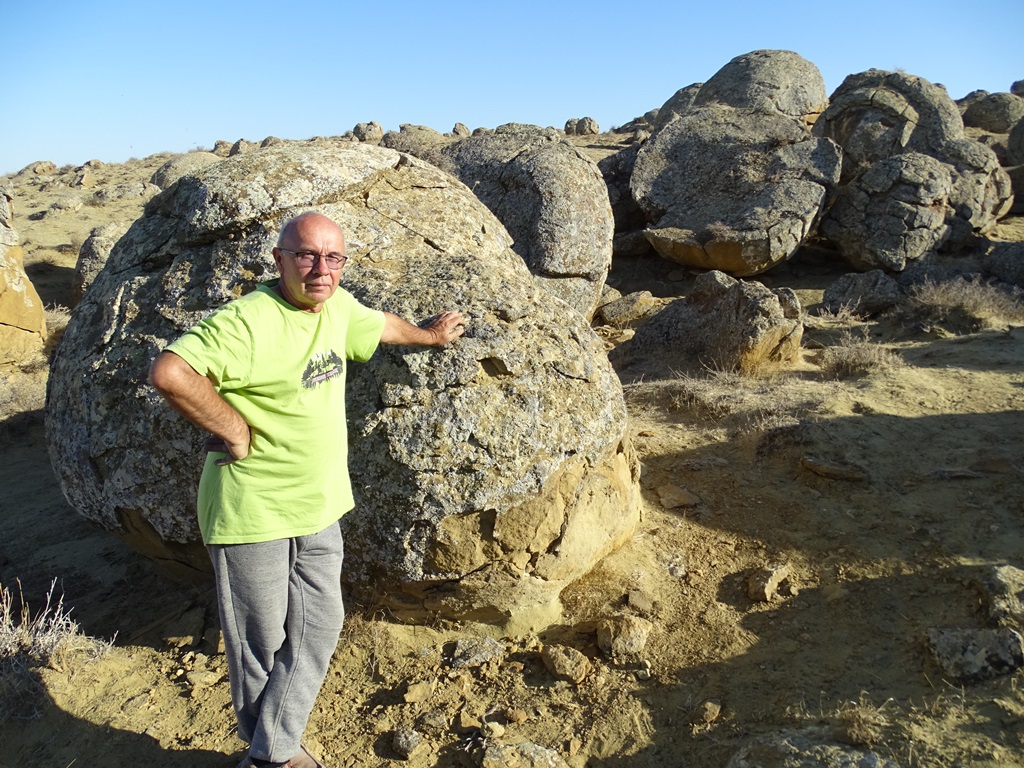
(732,189)
(488,474)
(875,115)
(550,197)
(767,81)
(892,213)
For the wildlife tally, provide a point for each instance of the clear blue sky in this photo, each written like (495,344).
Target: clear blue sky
(110,79)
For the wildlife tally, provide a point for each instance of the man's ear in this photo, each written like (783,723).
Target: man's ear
(277,257)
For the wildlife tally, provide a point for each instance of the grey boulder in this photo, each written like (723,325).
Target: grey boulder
(876,115)
(995,112)
(733,189)
(551,199)
(93,255)
(767,81)
(724,324)
(894,212)
(178,166)
(488,474)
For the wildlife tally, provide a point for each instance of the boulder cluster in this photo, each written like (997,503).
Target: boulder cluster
(494,472)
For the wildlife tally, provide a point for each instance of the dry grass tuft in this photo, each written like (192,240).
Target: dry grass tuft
(965,306)
(57,318)
(854,356)
(860,723)
(51,638)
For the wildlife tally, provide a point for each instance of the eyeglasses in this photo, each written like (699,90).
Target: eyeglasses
(309,258)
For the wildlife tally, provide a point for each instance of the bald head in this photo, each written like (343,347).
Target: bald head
(306,225)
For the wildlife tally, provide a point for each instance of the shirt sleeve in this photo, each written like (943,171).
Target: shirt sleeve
(365,327)
(219,347)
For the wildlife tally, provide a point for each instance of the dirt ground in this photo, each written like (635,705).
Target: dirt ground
(885,495)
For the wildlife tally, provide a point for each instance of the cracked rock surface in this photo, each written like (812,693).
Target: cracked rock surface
(488,474)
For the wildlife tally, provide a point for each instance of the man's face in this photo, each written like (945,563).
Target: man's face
(308,287)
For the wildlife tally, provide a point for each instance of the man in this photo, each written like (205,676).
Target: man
(266,376)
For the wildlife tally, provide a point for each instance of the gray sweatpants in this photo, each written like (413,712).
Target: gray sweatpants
(281,613)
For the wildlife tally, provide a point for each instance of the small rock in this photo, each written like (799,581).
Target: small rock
(517,716)
(523,755)
(492,730)
(833,470)
(674,497)
(418,692)
(202,678)
(640,601)
(435,720)
(623,635)
(406,742)
(476,651)
(1002,592)
(565,662)
(972,655)
(707,712)
(188,630)
(763,584)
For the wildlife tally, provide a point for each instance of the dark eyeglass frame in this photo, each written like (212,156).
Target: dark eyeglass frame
(309,258)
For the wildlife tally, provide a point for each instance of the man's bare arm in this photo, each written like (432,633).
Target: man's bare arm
(193,396)
(438,332)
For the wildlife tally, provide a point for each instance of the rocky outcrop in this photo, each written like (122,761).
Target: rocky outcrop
(551,199)
(176,167)
(876,115)
(22,316)
(724,324)
(93,255)
(488,474)
(731,189)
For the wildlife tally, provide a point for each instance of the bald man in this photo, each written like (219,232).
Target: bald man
(265,375)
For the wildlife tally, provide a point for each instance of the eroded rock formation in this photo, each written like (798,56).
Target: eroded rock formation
(488,474)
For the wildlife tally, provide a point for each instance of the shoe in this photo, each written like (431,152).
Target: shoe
(301,760)
(304,760)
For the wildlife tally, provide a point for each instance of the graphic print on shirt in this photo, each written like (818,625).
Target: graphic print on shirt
(321,368)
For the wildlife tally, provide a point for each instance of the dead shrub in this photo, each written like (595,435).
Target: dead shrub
(51,638)
(963,306)
(857,356)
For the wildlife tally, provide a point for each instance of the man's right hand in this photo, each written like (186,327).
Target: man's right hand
(235,451)
(194,397)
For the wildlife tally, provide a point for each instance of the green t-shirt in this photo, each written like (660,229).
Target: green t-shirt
(283,370)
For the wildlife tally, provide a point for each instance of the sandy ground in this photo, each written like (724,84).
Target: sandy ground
(926,464)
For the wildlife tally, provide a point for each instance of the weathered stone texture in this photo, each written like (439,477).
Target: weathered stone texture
(551,199)
(996,112)
(733,189)
(894,212)
(767,81)
(176,167)
(725,324)
(22,316)
(876,115)
(93,255)
(488,474)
